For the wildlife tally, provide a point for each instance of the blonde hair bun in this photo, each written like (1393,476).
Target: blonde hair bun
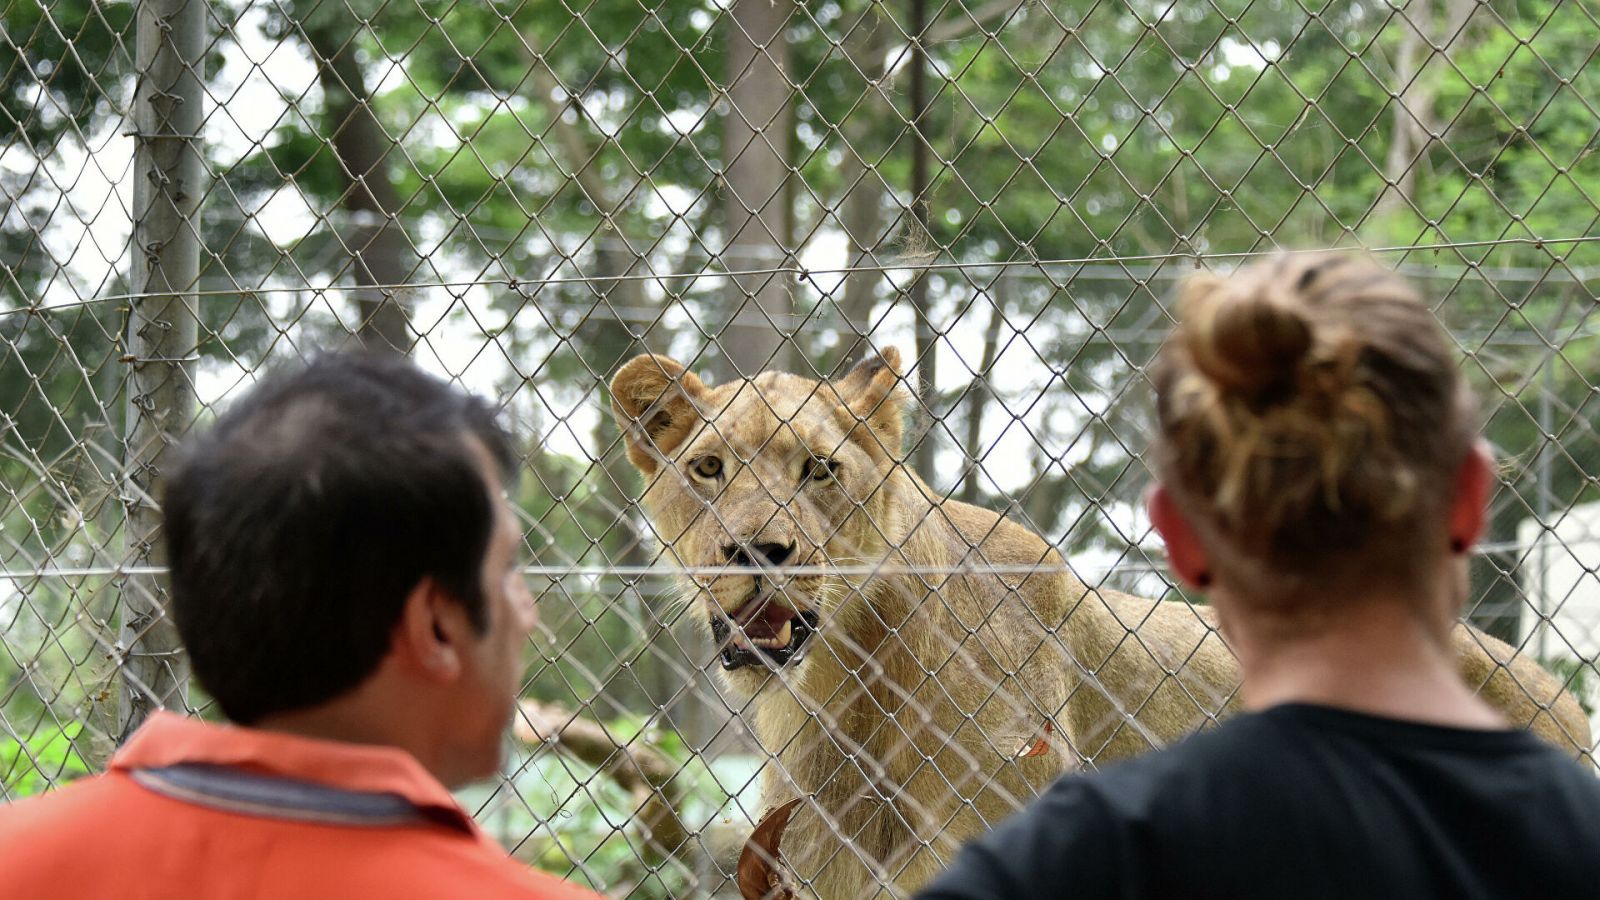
(1309,405)
(1243,334)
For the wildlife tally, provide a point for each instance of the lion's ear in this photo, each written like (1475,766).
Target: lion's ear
(869,393)
(653,399)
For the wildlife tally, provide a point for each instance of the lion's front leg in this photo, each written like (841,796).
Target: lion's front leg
(1149,674)
(958,763)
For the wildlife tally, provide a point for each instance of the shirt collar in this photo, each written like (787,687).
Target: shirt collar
(168,739)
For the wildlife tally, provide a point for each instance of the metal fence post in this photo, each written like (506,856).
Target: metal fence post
(162,332)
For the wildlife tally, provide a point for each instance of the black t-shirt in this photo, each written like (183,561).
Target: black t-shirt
(1305,801)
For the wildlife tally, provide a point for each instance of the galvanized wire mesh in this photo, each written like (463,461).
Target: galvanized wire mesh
(525,195)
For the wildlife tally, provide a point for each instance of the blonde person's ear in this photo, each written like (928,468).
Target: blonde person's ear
(1184,552)
(1470,504)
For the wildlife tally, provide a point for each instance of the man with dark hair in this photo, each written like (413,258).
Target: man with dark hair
(345,577)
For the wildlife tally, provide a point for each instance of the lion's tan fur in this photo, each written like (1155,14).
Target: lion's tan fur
(905,717)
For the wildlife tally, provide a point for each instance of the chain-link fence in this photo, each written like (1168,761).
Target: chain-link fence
(526,195)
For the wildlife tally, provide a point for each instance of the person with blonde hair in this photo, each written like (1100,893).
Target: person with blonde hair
(1319,478)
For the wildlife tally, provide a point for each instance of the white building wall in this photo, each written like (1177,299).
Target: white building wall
(1559,576)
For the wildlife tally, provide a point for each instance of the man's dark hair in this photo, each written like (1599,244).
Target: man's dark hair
(297,526)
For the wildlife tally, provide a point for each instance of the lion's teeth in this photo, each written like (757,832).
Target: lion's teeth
(779,642)
(743,641)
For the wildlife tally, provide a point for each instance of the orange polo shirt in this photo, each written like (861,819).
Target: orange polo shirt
(189,809)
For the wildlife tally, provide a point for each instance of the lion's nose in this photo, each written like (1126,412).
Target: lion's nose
(761,553)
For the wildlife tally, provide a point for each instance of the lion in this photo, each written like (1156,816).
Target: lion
(918,668)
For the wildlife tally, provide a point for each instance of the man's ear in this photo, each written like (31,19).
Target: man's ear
(653,399)
(869,393)
(1184,551)
(1469,507)
(432,634)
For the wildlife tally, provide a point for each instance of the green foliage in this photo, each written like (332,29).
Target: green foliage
(45,760)
(1579,678)
(74,52)
(61,70)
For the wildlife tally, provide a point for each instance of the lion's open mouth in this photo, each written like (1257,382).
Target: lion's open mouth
(767,632)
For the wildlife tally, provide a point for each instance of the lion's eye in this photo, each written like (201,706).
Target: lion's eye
(707,467)
(819,468)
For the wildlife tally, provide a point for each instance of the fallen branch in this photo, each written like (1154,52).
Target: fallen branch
(646,774)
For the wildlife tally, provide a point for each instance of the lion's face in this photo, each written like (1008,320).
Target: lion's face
(749,481)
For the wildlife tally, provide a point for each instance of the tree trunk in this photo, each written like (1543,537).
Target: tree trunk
(381,254)
(860,210)
(1415,120)
(924,445)
(608,341)
(981,392)
(755,146)
(862,219)
(866,46)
